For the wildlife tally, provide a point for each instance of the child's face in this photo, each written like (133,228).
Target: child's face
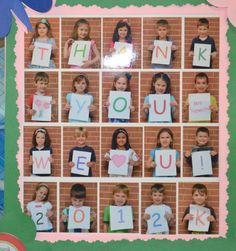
(121,84)
(160,86)
(202,31)
(122,32)
(199,198)
(77,202)
(83,31)
(41,194)
(162,32)
(121,139)
(41,86)
(201,85)
(157,197)
(165,139)
(80,86)
(202,138)
(120,198)
(42,30)
(40,139)
(81,139)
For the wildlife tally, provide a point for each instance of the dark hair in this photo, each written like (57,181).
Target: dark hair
(165,77)
(201,188)
(119,25)
(36,34)
(203,22)
(74,34)
(38,187)
(203,129)
(162,22)
(159,134)
(201,75)
(79,78)
(114,139)
(125,75)
(47,142)
(78,191)
(41,76)
(158,188)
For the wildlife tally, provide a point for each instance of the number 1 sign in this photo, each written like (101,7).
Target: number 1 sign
(121,217)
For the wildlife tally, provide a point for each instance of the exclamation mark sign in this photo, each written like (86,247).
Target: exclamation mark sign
(202,167)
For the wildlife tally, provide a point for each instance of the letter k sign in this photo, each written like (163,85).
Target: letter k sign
(202,55)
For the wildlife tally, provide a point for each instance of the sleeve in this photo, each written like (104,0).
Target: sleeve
(30,101)
(213,101)
(68,97)
(93,155)
(65,212)
(48,205)
(31,151)
(146,100)
(106,215)
(152,154)
(192,45)
(93,43)
(70,155)
(213,47)
(28,207)
(213,212)
(177,154)
(134,156)
(52,41)
(107,154)
(186,212)
(51,151)
(168,210)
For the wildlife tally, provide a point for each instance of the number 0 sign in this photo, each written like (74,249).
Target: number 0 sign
(79,217)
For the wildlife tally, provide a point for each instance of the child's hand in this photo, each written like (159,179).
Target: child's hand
(173,103)
(90,164)
(67,107)
(31,112)
(169,217)
(131,162)
(94,216)
(211,218)
(51,160)
(213,153)
(69,42)
(64,218)
(71,164)
(214,108)
(112,50)
(49,213)
(53,102)
(31,47)
(178,162)
(153,164)
(132,108)
(31,162)
(86,64)
(28,213)
(191,54)
(151,47)
(146,106)
(188,217)
(187,154)
(214,54)
(107,104)
(92,108)
(146,217)
(185,107)
(107,158)
(174,47)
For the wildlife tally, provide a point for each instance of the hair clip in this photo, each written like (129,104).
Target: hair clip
(44,21)
(40,130)
(128,76)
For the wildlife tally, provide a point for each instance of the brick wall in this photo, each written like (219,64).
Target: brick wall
(190,140)
(107,83)
(169,200)
(185,199)
(55,135)
(54,22)
(146,78)
(67,80)
(52,90)
(65,199)
(191,32)
(67,28)
(150,139)
(69,142)
(149,34)
(189,87)
(106,198)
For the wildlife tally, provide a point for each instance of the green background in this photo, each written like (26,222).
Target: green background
(20,225)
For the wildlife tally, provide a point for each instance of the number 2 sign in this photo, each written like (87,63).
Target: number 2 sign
(39,217)
(121,217)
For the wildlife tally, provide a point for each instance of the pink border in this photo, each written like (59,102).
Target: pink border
(224,62)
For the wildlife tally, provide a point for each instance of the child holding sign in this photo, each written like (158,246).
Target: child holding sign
(120,141)
(81,135)
(199,198)
(40,209)
(81,32)
(80,86)
(78,197)
(160,84)
(162,30)
(159,209)
(43,34)
(165,138)
(203,39)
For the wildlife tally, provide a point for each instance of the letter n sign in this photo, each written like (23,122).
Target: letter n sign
(202,55)
(162,52)
(165,163)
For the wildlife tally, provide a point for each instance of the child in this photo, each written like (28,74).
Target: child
(202,141)
(81,32)
(80,86)
(43,34)
(203,38)
(41,142)
(199,197)
(78,197)
(165,138)
(120,197)
(201,84)
(160,84)
(121,83)
(162,30)
(40,200)
(120,141)
(81,135)
(41,81)
(158,196)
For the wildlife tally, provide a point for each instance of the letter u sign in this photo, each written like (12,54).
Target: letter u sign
(165,163)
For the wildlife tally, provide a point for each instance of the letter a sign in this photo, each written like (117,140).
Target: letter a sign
(165,163)
(202,55)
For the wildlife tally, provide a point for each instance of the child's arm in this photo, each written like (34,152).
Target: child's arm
(151,163)
(174,107)
(67,48)
(213,105)
(191,51)
(105,227)
(50,214)
(67,108)
(134,159)
(132,108)
(214,156)
(89,63)
(188,158)
(94,220)
(146,107)
(30,161)
(107,156)
(51,160)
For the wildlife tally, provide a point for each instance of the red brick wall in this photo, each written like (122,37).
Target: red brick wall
(67,80)
(149,34)
(65,199)
(146,78)
(29,191)
(189,87)
(67,29)
(191,32)
(107,84)
(169,199)
(55,135)
(106,198)
(150,139)
(54,22)
(190,140)
(52,90)
(135,139)
(185,199)
(69,142)
(109,24)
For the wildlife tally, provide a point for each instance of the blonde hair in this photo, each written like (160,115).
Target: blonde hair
(81,130)
(121,188)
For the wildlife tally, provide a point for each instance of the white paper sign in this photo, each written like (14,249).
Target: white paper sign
(199,222)
(118,165)
(202,55)
(80,107)
(121,217)
(199,107)
(123,55)
(165,163)
(160,110)
(157,222)
(41,54)
(79,218)
(80,159)
(79,52)
(119,107)
(201,163)
(38,214)
(162,52)
(43,107)
(41,163)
